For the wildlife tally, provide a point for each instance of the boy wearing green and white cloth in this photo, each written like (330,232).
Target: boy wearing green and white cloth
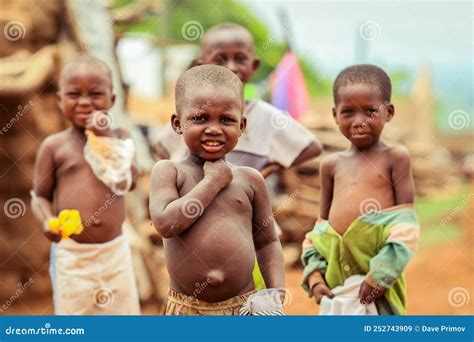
(367,224)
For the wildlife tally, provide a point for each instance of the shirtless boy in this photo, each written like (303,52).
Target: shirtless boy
(91,272)
(367,223)
(212,213)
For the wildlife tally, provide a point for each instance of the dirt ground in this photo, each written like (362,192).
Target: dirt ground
(433,274)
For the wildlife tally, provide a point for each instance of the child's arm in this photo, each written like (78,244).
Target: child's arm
(402,176)
(314,267)
(172,214)
(387,266)
(266,241)
(326,176)
(310,152)
(43,187)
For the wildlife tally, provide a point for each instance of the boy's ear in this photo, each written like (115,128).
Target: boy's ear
(390,112)
(334,115)
(113,99)
(176,124)
(243,124)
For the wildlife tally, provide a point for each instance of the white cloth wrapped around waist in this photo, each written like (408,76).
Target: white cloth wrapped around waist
(94,279)
(346,300)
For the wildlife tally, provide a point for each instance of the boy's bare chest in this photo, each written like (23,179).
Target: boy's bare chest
(236,196)
(362,174)
(69,160)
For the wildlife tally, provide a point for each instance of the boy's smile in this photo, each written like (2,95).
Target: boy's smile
(361,114)
(233,51)
(211,121)
(82,92)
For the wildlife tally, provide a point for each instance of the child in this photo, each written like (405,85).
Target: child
(91,272)
(367,223)
(211,213)
(273,140)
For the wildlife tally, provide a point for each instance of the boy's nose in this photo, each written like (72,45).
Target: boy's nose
(232,66)
(84,100)
(213,130)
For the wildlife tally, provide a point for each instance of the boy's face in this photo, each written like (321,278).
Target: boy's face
(211,121)
(232,50)
(361,114)
(82,92)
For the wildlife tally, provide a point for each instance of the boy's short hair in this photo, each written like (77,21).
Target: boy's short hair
(366,74)
(203,76)
(229,27)
(86,61)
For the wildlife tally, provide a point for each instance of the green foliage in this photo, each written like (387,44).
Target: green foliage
(209,13)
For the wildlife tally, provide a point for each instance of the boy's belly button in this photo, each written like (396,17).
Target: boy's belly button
(215,278)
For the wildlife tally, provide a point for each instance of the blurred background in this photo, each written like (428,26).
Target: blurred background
(426,47)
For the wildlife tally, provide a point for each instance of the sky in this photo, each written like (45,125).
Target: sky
(396,34)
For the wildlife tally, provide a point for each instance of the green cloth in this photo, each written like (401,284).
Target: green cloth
(377,244)
(258,278)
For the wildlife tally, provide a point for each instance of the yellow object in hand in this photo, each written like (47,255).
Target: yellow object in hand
(67,223)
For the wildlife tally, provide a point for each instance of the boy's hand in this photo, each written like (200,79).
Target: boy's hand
(368,293)
(219,171)
(319,290)
(99,123)
(53,237)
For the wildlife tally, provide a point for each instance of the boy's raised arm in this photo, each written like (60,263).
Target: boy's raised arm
(266,241)
(170,213)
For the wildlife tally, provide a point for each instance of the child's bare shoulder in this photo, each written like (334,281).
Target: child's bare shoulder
(164,167)
(53,141)
(398,154)
(329,162)
(248,174)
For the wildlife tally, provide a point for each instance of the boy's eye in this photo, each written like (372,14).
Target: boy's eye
(240,59)
(73,94)
(97,93)
(227,120)
(198,118)
(219,60)
(346,111)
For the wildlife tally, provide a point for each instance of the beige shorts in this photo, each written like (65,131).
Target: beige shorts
(182,305)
